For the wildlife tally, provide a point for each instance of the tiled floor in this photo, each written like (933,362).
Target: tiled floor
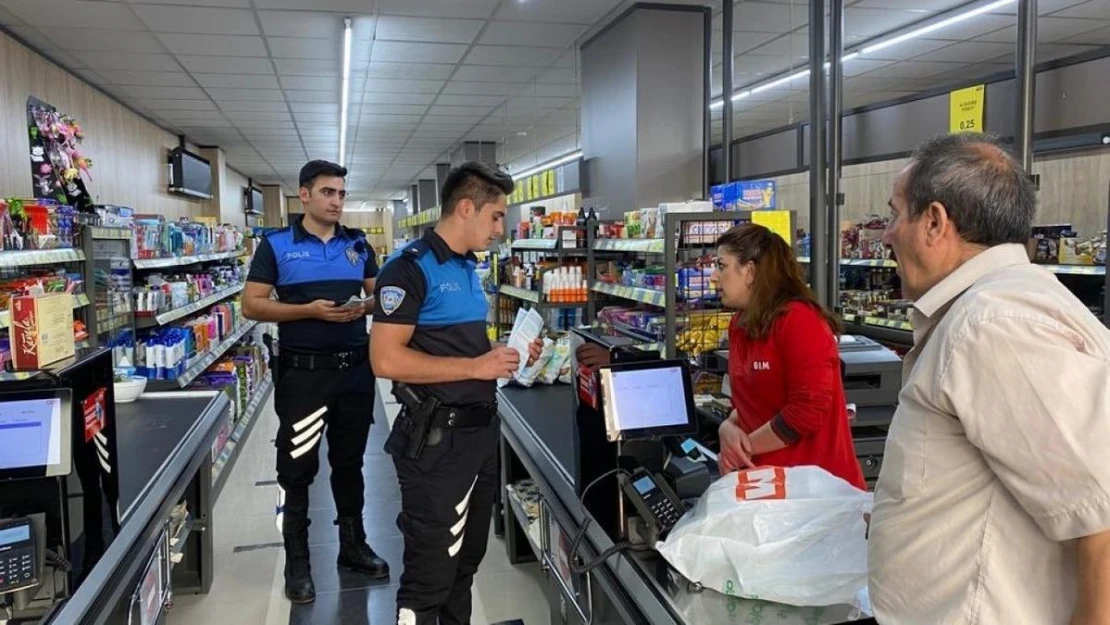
(247,588)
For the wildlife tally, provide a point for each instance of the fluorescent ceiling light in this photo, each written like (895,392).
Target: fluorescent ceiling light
(562,160)
(346,91)
(913,34)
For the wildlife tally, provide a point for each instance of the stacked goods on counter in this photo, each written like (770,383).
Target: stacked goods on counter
(165,352)
(36,225)
(164,292)
(154,237)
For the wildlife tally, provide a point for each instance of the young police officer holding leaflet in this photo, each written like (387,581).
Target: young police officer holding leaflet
(430,332)
(324,384)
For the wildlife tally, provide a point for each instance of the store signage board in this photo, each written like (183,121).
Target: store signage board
(777,222)
(965,109)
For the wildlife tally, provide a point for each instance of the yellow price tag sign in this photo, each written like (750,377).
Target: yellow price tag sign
(965,109)
(777,221)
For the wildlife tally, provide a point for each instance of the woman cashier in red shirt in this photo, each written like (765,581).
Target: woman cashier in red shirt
(784,367)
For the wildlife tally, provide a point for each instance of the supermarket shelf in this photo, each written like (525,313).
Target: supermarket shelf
(222,467)
(178,261)
(121,320)
(635,294)
(859,262)
(1076,270)
(177,542)
(634,333)
(529,525)
(79,301)
(107,233)
(888,323)
(202,362)
(184,311)
(30,258)
(535,244)
(518,293)
(650,246)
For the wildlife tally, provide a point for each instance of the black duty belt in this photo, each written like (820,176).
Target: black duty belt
(470,417)
(335,360)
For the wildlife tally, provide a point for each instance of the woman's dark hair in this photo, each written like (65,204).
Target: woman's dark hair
(778,278)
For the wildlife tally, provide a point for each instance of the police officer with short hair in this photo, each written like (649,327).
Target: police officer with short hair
(429,334)
(323,380)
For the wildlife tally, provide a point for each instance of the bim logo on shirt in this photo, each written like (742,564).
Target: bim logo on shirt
(761,365)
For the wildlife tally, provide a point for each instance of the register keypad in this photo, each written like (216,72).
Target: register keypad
(17,568)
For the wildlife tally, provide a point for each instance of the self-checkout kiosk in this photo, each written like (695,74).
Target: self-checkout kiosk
(59,488)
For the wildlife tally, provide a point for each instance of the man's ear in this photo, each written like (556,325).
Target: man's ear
(465,208)
(304,194)
(936,222)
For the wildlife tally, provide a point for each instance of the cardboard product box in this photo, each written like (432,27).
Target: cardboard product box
(41,329)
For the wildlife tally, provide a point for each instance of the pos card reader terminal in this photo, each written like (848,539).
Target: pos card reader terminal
(19,561)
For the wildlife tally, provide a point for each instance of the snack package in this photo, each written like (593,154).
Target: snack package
(527,377)
(567,372)
(560,356)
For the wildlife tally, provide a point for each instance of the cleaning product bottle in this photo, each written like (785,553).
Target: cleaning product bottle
(580,227)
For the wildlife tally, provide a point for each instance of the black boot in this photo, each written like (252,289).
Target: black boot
(354,553)
(294,530)
(298,572)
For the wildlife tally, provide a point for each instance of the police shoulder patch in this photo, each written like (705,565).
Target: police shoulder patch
(391,298)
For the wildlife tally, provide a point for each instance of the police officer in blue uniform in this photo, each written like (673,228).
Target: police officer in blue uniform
(323,380)
(429,334)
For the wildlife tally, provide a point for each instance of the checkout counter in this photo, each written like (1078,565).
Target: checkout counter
(555,448)
(131,464)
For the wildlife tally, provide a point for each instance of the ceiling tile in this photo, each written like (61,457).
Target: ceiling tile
(858,66)
(249,105)
(320,96)
(87,39)
(907,49)
(307,66)
(310,24)
(353,6)
(569,11)
(972,28)
(177,105)
(147,79)
(200,20)
(511,55)
(481,73)
(1099,37)
(912,69)
(265,124)
(74,14)
(397,28)
(297,48)
(968,52)
(233,4)
(531,34)
(457,87)
(126,61)
(213,45)
(330,116)
(185,117)
(923,6)
(369,118)
(239,95)
(328,83)
(402,86)
(563,76)
(395,109)
(1093,9)
(311,107)
(273,116)
(225,65)
(429,71)
(240,81)
(1055,51)
(751,66)
(169,93)
(406,52)
(860,23)
(478,9)
(771,18)
(791,46)
(470,100)
(373,97)
(1055,7)
(1049,30)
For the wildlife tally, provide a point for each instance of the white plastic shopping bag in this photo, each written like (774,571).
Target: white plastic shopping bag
(793,535)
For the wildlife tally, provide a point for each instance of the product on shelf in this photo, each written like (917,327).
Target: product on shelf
(865,240)
(165,352)
(41,329)
(564,285)
(156,238)
(59,281)
(164,292)
(36,225)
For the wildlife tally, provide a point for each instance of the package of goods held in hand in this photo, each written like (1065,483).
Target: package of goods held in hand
(794,535)
(528,377)
(560,357)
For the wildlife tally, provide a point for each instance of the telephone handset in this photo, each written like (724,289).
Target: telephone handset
(20,555)
(654,501)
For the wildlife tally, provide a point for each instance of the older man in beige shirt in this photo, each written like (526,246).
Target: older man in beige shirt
(993,504)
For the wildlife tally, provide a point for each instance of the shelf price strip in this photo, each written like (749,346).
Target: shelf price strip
(644,296)
(654,246)
(29,258)
(524,294)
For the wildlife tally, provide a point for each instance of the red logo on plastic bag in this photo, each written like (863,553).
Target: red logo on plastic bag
(761,483)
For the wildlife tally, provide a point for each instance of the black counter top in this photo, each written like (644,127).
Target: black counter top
(147,431)
(539,425)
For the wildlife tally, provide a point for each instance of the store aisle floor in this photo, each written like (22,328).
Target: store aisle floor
(247,585)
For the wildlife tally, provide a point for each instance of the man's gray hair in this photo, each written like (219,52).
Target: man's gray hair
(988,196)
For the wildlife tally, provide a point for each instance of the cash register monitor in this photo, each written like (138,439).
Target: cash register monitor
(35,434)
(647,400)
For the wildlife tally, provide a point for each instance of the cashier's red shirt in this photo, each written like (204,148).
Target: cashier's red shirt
(795,372)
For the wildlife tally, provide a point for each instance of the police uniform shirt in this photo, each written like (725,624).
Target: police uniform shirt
(302,269)
(431,287)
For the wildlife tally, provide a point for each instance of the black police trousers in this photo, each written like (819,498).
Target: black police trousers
(312,404)
(446,506)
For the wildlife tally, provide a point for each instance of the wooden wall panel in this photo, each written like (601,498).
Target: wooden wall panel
(128,152)
(372,219)
(273,199)
(1075,189)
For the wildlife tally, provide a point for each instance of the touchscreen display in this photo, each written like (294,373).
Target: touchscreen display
(30,433)
(648,398)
